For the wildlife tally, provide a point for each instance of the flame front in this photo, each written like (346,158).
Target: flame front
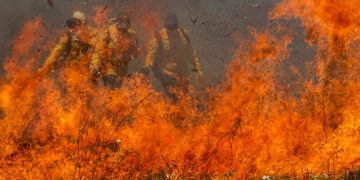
(247,127)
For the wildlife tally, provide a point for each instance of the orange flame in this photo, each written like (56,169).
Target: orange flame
(63,126)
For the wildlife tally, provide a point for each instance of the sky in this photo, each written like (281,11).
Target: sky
(214,25)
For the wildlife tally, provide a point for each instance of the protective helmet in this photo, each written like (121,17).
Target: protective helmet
(80,16)
(171,21)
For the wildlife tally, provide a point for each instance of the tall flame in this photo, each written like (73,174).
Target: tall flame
(63,126)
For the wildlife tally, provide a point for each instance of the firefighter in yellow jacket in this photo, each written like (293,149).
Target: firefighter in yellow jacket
(72,45)
(169,56)
(116,47)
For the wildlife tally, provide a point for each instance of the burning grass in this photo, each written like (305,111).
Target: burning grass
(63,126)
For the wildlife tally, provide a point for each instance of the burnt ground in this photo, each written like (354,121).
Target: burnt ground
(212,25)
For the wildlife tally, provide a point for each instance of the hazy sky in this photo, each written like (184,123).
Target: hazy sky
(217,21)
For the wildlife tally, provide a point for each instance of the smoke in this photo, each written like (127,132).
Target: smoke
(213,26)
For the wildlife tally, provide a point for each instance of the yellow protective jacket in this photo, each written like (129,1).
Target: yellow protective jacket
(70,49)
(114,51)
(170,53)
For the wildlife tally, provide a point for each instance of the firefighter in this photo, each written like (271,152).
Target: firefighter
(169,55)
(116,47)
(72,46)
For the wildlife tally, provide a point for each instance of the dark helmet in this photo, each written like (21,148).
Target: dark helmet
(73,23)
(123,22)
(171,21)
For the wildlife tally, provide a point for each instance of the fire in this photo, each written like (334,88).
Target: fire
(61,125)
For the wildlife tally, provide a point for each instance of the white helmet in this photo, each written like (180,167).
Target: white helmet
(79,15)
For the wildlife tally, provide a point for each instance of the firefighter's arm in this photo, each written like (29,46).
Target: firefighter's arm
(152,50)
(93,34)
(99,51)
(193,55)
(95,61)
(55,53)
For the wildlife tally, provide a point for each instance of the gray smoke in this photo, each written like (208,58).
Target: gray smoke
(211,24)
